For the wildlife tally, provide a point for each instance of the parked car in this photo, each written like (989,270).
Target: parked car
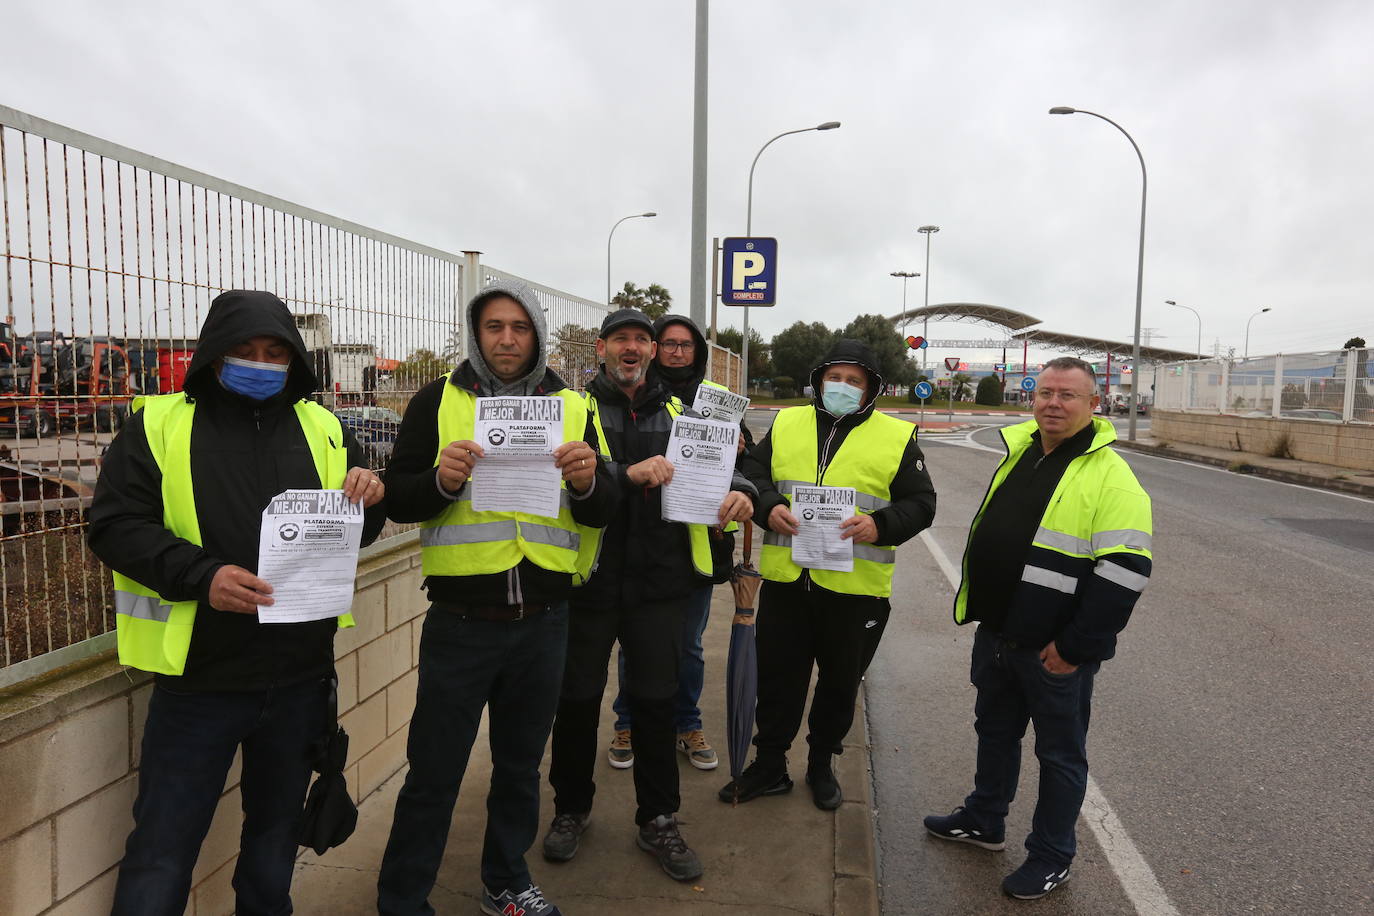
(375,428)
(1312,413)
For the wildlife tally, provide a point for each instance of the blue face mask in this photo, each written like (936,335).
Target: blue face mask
(258,381)
(841,398)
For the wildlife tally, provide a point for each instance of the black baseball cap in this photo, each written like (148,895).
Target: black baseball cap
(621,317)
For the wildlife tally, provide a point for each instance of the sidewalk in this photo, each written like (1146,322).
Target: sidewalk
(1288,470)
(773,856)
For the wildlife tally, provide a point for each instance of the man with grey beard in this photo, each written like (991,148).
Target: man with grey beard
(638,595)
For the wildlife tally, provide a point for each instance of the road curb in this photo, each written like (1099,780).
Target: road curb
(1239,465)
(856,842)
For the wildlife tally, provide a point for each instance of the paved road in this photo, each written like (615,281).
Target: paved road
(1232,736)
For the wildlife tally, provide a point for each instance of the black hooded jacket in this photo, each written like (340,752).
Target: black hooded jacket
(683,381)
(912,507)
(243,452)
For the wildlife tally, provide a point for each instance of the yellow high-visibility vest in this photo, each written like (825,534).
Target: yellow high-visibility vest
(866,460)
(154,634)
(461,541)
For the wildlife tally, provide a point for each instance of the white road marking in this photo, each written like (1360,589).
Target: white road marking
(1137,880)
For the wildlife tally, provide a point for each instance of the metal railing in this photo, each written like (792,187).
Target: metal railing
(1334,386)
(110,260)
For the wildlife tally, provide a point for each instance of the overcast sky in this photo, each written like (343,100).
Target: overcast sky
(526,129)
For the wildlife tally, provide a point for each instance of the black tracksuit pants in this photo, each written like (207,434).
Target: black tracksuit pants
(801,624)
(651,636)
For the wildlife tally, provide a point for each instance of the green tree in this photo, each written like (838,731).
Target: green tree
(989,391)
(419,368)
(654,300)
(888,345)
(1354,343)
(961,381)
(760,352)
(798,349)
(573,353)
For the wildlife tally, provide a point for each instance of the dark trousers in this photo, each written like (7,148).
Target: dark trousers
(691,670)
(1015,689)
(651,635)
(188,746)
(799,625)
(513,668)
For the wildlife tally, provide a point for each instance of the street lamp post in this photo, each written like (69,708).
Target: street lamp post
(1247,330)
(1199,323)
(905,275)
(927,231)
(608,247)
(749,229)
(1140,261)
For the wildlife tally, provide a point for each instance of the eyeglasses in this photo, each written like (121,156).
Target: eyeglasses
(673,346)
(1067,398)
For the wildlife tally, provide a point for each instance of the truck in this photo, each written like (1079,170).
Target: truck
(346,372)
(82,383)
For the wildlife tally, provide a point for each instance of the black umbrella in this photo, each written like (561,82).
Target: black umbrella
(330,816)
(742,664)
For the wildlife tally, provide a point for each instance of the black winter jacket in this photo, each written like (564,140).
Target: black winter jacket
(243,453)
(414,495)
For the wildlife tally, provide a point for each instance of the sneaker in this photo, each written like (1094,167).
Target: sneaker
(560,843)
(825,788)
(699,753)
(661,838)
(529,902)
(1034,879)
(758,778)
(621,755)
(961,827)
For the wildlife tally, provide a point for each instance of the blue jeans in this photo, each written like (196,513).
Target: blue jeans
(188,746)
(514,669)
(1014,689)
(691,672)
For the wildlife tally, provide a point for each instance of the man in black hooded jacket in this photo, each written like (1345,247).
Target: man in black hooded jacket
(262,686)
(814,616)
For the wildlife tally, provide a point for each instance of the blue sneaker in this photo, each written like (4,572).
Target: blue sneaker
(1034,879)
(529,902)
(962,827)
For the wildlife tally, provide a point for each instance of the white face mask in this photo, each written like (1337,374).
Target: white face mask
(841,398)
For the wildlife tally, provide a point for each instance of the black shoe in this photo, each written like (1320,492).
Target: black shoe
(825,789)
(661,839)
(961,827)
(758,778)
(560,843)
(1034,879)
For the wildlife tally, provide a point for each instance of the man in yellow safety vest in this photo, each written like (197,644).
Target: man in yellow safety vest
(177,514)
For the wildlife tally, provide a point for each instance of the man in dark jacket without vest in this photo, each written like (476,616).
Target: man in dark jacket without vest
(638,595)
(681,363)
(497,628)
(1057,557)
(187,599)
(827,618)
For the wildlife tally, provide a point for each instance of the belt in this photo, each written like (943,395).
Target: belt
(497,613)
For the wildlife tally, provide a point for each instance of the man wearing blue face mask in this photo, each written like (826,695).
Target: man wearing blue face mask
(176,515)
(819,617)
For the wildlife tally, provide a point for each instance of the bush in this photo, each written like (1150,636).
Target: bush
(784,386)
(989,391)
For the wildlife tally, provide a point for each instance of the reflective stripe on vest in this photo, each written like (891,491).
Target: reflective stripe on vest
(866,460)
(698,536)
(155,634)
(461,541)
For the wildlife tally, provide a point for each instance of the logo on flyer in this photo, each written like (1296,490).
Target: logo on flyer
(496,435)
(289,531)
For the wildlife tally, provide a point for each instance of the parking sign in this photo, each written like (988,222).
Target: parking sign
(749,271)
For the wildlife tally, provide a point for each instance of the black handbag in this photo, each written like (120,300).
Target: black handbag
(330,816)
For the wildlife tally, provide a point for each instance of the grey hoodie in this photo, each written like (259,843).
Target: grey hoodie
(525,295)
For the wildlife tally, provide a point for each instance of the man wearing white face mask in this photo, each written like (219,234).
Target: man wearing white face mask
(823,618)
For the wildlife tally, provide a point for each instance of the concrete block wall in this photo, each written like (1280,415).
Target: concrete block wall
(69,746)
(1347,445)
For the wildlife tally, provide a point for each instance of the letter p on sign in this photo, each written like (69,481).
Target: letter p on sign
(750,271)
(747,264)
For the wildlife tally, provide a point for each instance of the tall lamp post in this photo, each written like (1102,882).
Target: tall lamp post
(1199,323)
(749,229)
(905,275)
(1140,262)
(1247,330)
(608,247)
(927,231)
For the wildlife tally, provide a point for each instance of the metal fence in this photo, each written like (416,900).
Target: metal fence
(1333,385)
(110,260)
